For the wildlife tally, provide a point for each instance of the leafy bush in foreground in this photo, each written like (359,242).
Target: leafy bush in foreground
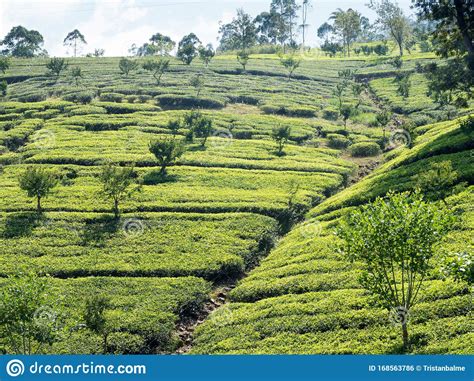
(395,238)
(365,149)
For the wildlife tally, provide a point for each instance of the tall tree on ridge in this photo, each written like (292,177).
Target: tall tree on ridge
(188,48)
(266,26)
(74,39)
(21,42)
(240,34)
(303,26)
(285,15)
(347,25)
(392,19)
(164,44)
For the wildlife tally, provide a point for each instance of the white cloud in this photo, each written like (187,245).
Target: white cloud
(114,26)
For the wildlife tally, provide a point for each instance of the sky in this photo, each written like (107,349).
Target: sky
(114,25)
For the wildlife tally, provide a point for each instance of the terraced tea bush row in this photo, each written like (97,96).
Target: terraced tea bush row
(145,244)
(183,189)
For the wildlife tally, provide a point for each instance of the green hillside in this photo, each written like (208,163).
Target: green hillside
(219,209)
(183,238)
(305,298)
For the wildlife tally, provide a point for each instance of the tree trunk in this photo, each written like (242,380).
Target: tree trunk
(467,40)
(163,170)
(405,337)
(105,344)
(116,208)
(38,204)
(463,27)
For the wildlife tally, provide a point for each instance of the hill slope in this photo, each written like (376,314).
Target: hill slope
(305,297)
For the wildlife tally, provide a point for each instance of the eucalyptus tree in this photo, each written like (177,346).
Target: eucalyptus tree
(347,24)
(239,34)
(188,48)
(21,42)
(75,39)
(393,21)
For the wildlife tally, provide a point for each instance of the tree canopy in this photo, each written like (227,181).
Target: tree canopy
(347,24)
(453,36)
(394,238)
(74,39)
(21,42)
(393,21)
(240,34)
(188,48)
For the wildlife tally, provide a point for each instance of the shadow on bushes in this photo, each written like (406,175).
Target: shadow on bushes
(20,224)
(96,232)
(155,178)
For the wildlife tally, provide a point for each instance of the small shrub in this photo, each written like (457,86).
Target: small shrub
(3,88)
(338,141)
(365,149)
(56,65)
(38,97)
(111,97)
(166,151)
(82,97)
(127,65)
(281,135)
(186,102)
(38,183)
(243,57)
(381,49)
(467,126)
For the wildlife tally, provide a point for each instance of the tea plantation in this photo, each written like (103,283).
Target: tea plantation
(226,209)
(305,296)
